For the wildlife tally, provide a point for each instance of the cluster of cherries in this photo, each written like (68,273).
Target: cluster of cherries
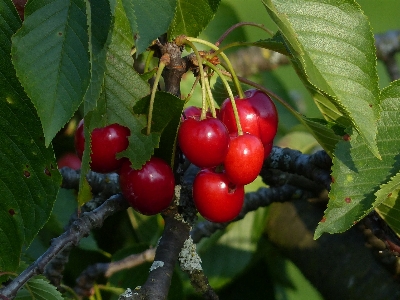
(148,190)
(228,159)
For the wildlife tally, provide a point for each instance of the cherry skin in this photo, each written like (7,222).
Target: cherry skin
(244,159)
(257,114)
(149,190)
(106,142)
(215,197)
(70,160)
(203,142)
(194,111)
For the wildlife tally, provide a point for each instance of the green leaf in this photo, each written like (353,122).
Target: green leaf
(276,43)
(38,288)
(100,22)
(50,54)
(389,209)
(153,19)
(29,179)
(333,50)
(358,174)
(233,248)
(326,133)
(167,112)
(191,17)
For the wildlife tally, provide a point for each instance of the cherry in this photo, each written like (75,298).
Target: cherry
(257,114)
(204,142)
(106,142)
(70,160)
(149,190)
(215,197)
(194,111)
(244,159)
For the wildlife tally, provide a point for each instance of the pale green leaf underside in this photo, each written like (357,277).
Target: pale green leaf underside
(29,180)
(333,49)
(322,132)
(55,70)
(358,174)
(191,17)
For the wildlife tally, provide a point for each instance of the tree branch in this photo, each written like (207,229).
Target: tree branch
(79,229)
(85,281)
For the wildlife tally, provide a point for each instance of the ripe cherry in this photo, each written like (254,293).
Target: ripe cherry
(106,142)
(149,190)
(194,111)
(70,160)
(215,197)
(204,142)
(244,159)
(257,114)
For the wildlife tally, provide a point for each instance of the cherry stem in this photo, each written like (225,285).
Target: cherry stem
(148,60)
(153,94)
(202,77)
(211,98)
(228,64)
(231,97)
(192,90)
(227,32)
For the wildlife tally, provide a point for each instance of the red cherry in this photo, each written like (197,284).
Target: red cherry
(257,114)
(194,111)
(70,160)
(204,142)
(244,159)
(106,142)
(149,190)
(215,197)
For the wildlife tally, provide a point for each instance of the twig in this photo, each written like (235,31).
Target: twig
(315,167)
(106,184)
(79,229)
(85,281)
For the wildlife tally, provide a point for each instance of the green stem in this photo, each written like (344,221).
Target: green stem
(211,98)
(192,90)
(228,63)
(231,97)
(153,95)
(148,61)
(202,78)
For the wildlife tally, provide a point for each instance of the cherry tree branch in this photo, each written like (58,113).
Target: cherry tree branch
(85,281)
(79,229)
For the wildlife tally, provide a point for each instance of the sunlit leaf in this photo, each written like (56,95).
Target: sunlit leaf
(333,50)
(357,174)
